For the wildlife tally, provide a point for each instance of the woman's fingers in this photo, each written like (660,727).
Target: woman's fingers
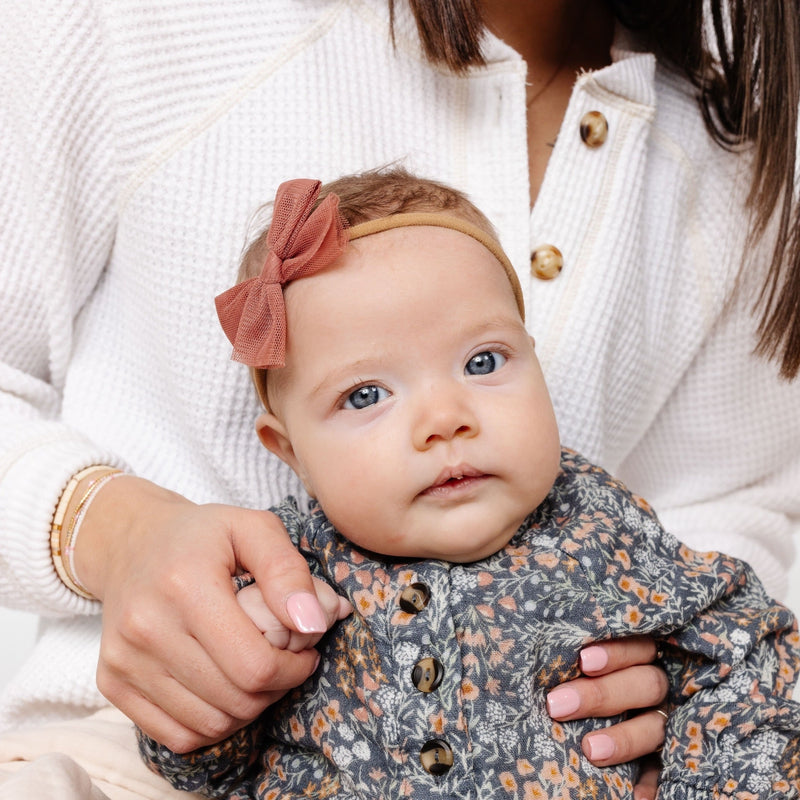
(647,785)
(208,724)
(263,548)
(188,697)
(610,656)
(190,701)
(636,737)
(623,681)
(627,689)
(178,654)
(334,606)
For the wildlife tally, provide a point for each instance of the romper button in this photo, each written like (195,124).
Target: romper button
(436,757)
(546,262)
(427,674)
(594,129)
(414,598)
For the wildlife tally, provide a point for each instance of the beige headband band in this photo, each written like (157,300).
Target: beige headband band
(434,219)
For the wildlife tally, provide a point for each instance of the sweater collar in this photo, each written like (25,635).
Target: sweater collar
(630,76)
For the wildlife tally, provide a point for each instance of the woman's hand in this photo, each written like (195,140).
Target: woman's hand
(621,677)
(178,655)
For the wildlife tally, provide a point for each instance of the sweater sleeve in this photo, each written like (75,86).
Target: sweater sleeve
(57,189)
(721,460)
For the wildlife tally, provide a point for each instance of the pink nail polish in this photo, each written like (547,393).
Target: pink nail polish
(306,613)
(562,702)
(599,747)
(593,659)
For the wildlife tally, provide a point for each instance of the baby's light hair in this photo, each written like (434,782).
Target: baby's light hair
(372,195)
(363,197)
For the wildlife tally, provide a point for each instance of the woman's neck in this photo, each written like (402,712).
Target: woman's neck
(548,32)
(557,39)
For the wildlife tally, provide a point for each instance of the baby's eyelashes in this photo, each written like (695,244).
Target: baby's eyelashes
(485,363)
(365,396)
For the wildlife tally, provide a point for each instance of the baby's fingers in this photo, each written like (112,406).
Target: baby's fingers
(334,605)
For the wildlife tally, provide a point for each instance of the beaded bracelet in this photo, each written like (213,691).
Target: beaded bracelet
(66,569)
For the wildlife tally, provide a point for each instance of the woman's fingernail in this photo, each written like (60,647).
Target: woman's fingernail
(593,659)
(599,747)
(306,613)
(562,702)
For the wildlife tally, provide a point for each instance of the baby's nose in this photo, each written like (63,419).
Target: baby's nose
(445,416)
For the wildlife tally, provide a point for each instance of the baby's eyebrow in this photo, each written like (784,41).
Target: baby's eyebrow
(488,326)
(361,365)
(375,361)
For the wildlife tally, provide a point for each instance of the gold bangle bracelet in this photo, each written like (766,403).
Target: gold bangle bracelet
(68,550)
(57,526)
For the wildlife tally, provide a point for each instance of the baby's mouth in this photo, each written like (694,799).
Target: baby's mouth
(453,480)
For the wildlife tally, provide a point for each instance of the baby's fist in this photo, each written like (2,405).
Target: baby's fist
(277,634)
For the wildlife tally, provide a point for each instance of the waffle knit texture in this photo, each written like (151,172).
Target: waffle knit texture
(139,137)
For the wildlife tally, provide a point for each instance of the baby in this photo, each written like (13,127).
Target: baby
(385,328)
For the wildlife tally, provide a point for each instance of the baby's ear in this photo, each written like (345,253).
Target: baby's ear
(275,438)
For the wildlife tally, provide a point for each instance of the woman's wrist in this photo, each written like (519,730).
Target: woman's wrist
(71,508)
(116,508)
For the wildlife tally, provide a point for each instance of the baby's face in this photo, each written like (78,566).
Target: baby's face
(412,403)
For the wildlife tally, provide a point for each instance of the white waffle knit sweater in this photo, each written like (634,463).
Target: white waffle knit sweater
(138,138)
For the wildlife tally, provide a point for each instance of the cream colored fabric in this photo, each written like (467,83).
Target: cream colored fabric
(94,758)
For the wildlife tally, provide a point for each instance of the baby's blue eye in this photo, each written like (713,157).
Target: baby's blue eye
(485,363)
(365,396)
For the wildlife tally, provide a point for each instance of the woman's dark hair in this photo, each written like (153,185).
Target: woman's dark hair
(744,58)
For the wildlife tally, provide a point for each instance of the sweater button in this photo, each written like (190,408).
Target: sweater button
(427,674)
(594,129)
(414,598)
(436,757)
(546,262)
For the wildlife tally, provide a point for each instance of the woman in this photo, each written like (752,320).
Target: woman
(142,135)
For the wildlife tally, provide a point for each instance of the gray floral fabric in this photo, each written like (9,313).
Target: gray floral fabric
(591,563)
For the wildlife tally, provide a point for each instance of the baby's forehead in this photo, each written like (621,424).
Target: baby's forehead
(411,272)
(416,262)
(439,245)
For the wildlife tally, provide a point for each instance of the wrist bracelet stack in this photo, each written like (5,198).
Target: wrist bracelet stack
(63,556)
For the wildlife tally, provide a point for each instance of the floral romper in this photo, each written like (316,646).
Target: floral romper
(435,686)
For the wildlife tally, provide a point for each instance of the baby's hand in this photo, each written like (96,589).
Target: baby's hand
(275,632)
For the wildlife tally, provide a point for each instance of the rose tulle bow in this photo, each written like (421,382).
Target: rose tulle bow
(301,242)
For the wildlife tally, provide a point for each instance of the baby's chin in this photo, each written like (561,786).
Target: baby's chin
(473,554)
(456,552)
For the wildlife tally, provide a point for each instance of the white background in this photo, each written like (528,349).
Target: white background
(17,630)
